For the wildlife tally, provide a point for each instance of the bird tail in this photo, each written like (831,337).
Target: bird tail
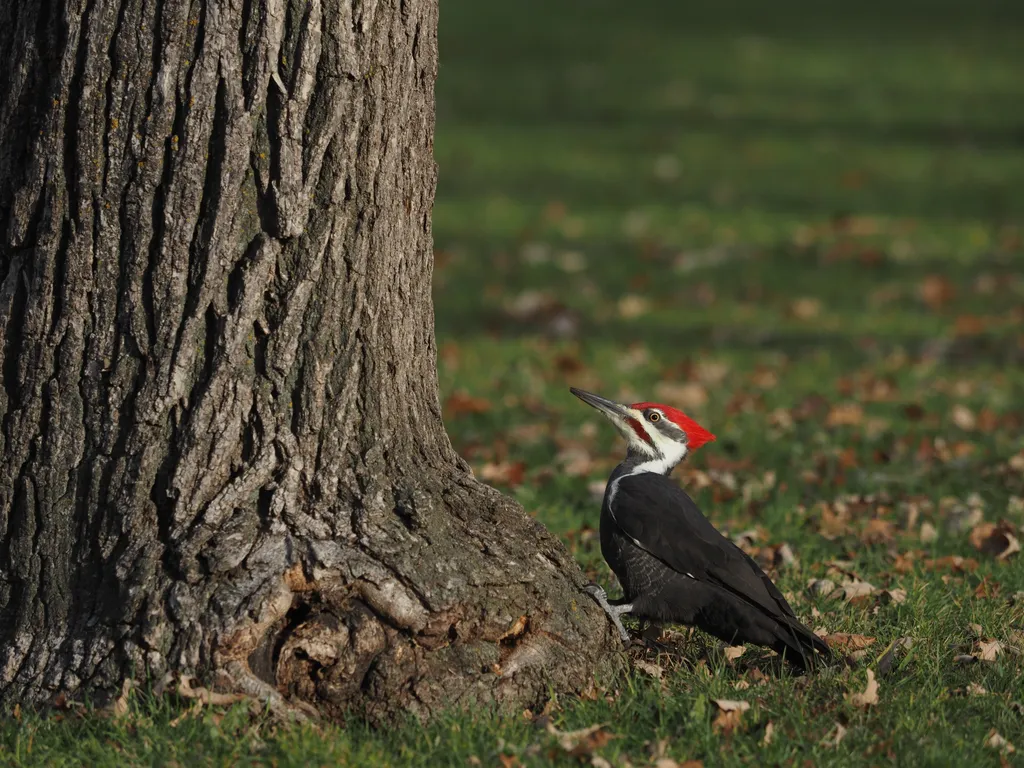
(800,646)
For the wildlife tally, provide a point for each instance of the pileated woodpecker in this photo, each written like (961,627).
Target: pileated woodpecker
(672,563)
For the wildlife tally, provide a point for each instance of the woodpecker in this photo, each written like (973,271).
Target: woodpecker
(672,563)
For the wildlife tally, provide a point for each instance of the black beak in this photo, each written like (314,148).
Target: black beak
(607,407)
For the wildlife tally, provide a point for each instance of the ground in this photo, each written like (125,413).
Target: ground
(806,231)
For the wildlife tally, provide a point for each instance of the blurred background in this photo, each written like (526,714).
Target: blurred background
(801,224)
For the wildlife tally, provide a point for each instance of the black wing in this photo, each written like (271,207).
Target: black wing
(667,523)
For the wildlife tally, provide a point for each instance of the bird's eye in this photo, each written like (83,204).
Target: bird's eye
(654,416)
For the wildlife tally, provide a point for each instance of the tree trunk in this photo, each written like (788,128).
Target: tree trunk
(221,448)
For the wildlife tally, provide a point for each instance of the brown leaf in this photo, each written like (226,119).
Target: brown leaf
(995,741)
(928,533)
(460,403)
(892,596)
(854,590)
(632,306)
(936,291)
(963,417)
(954,563)
(733,652)
(120,706)
(729,714)
(504,473)
(819,587)
(769,734)
(651,669)
(997,540)
(581,742)
(869,697)
(805,308)
(845,415)
(988,650)
(835,736)
(847,642)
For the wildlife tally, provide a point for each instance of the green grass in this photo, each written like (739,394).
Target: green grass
(788,208)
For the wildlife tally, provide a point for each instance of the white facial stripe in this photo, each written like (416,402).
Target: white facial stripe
(634,439)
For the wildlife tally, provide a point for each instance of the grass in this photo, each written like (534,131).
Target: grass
(803,225)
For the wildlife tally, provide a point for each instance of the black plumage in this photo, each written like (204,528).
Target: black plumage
(673,564)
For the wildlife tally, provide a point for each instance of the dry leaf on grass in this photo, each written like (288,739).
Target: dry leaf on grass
(459,403)
(988,650)
(845,415)
(729,714)
(581,742)
(995,741)
(120,706)
(651,669)
(834,736)
(845,641)
(819,587)
(505,472)
(892,596)
(733,652)
(998,540)
(853,590)
(869,696)
(769,734)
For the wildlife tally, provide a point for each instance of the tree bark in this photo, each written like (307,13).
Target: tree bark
(221,447)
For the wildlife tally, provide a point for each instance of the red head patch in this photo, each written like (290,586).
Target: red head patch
(695,433)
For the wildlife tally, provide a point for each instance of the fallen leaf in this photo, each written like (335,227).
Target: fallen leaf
(989,650)
(845,415)
(733,652)
(936,291)
(995,539)
(504,473)
(928,533)
(848,642)
(869,697)
(853,590)
(581,742)
(651,669)
(818,587)
(892,596)
(120,706)
(995,741)
(963,417)
(954,563)
(805,308)
(973,689)
(632,306)
(460,403)
(769,734)
(729,714)
(836,736)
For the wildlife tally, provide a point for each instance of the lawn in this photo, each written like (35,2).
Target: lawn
(804,226)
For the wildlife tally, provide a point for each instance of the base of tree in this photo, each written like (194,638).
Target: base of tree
(375,635)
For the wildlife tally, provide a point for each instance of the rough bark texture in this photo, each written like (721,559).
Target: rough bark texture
(221,448)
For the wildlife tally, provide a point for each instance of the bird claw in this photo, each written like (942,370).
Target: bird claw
(597,592)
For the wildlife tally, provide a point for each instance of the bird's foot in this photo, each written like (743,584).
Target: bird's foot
(614,611)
